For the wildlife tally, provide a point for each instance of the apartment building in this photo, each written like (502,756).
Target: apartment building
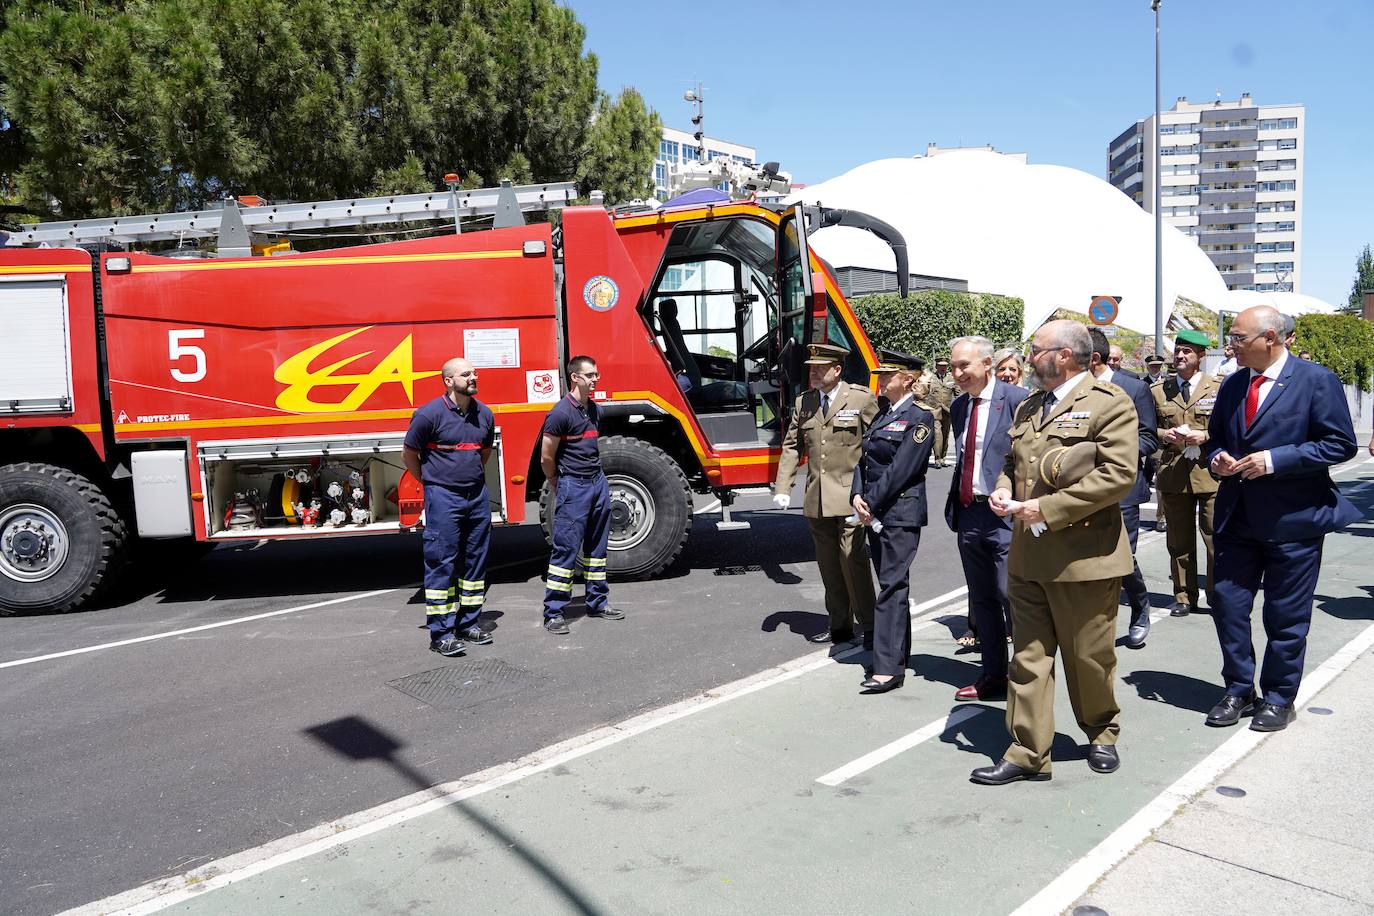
(1230,177)
(679,147)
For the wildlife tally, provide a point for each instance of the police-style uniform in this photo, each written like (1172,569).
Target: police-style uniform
(831,440)
(582,508)
(457,534)
(1063,585)
(891,478)
(1186,487)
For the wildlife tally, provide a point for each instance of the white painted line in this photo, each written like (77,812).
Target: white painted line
(712,506)
(892,749)
(938,600)
(207,626)
(158,895)
(1060,894)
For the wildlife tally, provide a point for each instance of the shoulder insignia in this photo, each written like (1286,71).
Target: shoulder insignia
(920,433)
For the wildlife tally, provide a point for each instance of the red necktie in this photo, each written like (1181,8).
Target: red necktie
(970,447)
(1252,399)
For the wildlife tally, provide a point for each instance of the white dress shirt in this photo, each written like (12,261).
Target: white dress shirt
(1067,388)
(1272,375)
(984,401)
(1107,374)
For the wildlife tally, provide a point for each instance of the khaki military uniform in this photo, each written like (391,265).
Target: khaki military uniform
(941,395)
(1186,488)
(1064,584)
(832,445)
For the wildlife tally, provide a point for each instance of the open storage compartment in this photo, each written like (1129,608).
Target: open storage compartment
(309,486)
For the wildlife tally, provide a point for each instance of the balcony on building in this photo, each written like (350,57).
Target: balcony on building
(1235,216)
(1211,236)
(1223,134)
(1230,154)
(1223,173)
(1227,196)
(1232,258)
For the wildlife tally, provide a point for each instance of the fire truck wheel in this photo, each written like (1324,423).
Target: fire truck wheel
(651,507)
(61,541)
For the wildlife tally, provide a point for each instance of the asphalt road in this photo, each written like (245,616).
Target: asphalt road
(139,761)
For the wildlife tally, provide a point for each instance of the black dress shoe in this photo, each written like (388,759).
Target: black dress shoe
(1180,609)
(1138,632)
(1003,772)
(872,685)
(831,637)
(607,613)
(1230,709)
(1271,717)
(1103,758)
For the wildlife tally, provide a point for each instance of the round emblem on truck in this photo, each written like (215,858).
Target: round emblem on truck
(601,293)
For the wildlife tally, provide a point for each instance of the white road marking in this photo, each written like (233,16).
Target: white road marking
(712,506)
(905,743)
(1060,894)
(207,626)
(158,895)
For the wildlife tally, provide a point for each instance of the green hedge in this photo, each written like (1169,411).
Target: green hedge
(926,321)
(1342,343)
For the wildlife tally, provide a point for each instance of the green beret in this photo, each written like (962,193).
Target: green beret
(1196,338)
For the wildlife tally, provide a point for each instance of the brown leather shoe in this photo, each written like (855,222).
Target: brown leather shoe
(983,690)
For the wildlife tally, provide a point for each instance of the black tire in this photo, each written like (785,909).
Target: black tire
(645,483)
(94,535)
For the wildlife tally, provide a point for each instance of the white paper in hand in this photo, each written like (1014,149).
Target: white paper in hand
(782,501)
(1036,528)
(1191,452)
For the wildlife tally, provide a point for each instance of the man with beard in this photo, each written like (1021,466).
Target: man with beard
(1068,553)
(446,449)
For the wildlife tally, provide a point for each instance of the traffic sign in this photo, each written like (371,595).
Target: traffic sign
(1103,310)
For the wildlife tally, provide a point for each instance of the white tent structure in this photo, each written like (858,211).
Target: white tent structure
(1052,235)
(1287,303)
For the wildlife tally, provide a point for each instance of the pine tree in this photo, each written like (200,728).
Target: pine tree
(1363,283)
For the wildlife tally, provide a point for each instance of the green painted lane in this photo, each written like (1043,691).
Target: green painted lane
(721,811)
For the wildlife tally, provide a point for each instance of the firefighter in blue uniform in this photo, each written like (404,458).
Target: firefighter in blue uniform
(446,449)
(890,487)
(581,500)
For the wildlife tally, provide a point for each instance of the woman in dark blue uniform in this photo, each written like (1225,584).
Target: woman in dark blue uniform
(890,487)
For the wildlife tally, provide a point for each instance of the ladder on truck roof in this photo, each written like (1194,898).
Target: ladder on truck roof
(235,224)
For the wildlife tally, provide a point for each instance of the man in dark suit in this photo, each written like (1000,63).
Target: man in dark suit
(1114,359)
(980,418)
(1137,594)
(1278,425)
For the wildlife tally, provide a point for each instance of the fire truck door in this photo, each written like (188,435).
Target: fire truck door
(795,330)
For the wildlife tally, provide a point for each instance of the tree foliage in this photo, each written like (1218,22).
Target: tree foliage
(120,106)
(1363,282)
(1342,343)
(926,321)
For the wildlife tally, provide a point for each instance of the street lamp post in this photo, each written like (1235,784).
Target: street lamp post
(1159,215)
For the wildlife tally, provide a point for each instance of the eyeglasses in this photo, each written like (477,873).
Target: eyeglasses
(1036,351)
(1238,339)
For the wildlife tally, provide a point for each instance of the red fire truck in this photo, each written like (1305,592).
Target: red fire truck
(255,392)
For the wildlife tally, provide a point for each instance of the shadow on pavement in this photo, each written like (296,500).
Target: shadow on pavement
(357,739)
(985,735)
(802,623)
(1351,608)
(944,670)
(1177,690)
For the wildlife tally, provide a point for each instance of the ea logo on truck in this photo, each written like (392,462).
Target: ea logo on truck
(397,367)
(601,294)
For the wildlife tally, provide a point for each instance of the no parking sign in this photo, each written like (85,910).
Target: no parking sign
(1103,310)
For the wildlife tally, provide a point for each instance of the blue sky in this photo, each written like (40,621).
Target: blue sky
(823,87)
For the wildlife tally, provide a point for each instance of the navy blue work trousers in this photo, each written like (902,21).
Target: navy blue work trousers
(581,532)
(457,539)
(1137,594)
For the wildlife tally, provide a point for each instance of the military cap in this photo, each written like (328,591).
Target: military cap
(1065,465)
(1154,360)
(824,354)
(1194,338)
(942,361)
(894,361)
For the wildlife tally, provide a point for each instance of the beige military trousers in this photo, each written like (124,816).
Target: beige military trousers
(842,555)
(1188,514)
(1077,620)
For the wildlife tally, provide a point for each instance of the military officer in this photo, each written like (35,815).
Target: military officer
(828,423)
(890,486)
(1068,553)
(941,394)
(1186,487)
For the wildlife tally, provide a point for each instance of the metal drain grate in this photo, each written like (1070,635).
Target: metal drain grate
(466,683)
